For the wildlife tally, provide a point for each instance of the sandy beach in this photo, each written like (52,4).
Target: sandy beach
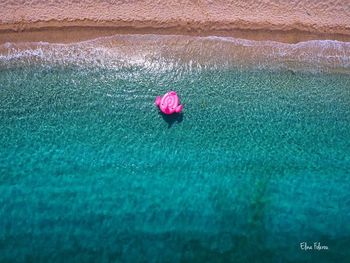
(284,21)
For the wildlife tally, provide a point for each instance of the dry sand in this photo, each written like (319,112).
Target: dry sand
(282,20)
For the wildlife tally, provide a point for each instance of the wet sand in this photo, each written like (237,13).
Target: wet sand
(70,34)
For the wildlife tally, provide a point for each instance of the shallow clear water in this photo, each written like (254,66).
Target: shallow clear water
(258,162)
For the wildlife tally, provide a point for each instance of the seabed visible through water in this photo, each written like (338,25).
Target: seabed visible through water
(257,165)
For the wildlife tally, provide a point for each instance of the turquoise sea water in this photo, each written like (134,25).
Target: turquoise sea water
(90,171)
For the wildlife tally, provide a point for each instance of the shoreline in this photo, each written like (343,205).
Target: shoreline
(69,32)
(155,51)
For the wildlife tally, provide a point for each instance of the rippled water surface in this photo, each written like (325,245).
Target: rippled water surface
(258,162)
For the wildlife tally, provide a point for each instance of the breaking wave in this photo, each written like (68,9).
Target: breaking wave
(164,52)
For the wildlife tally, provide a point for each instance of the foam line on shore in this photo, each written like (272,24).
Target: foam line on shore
(210,52)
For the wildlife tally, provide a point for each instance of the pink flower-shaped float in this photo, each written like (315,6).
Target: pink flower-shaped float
(169,103)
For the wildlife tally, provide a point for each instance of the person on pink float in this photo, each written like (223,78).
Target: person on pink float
(169,103)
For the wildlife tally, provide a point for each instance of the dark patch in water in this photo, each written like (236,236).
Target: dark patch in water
(172,118)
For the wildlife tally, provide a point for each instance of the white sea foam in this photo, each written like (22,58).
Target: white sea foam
(165,52)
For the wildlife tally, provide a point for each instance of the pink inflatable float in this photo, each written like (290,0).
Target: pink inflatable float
(169,103)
